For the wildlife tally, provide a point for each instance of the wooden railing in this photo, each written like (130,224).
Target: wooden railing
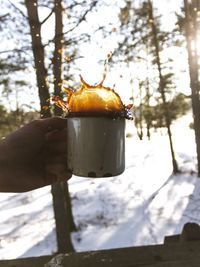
(177,251)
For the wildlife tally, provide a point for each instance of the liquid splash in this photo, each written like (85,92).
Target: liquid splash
(96,99)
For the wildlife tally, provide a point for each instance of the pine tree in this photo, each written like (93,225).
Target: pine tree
(60,192)
(162,80)
(191,27)
(144,41)
(47,67)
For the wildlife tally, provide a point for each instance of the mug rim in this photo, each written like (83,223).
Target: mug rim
(104,114)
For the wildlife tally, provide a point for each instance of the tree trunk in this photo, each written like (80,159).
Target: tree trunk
(147,99)
(191,32)
(58,53)
(161,85)
(60,192)
(70,218)
(140,128)
(60,211)
(38,53)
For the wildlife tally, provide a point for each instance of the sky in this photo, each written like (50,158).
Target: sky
(120,76)
(98,49)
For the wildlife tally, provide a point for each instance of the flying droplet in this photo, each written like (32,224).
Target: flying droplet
(114,29)
(68,58)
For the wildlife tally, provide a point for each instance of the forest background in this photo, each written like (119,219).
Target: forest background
(150,49)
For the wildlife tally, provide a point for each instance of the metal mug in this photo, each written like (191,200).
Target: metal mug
(96,145)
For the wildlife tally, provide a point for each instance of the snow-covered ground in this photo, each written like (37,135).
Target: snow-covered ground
(139,207)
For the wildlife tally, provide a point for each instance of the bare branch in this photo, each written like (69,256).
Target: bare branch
(18,9)
(23,49)
(76,4)
(83,17)
(74,27)
(2,17)
(52,11)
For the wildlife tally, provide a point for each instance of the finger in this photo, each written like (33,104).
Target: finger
(58,170)
(52,178)
(65,176)
(60,158)
(57,135)
(56,148)
(51,124)
(55,168)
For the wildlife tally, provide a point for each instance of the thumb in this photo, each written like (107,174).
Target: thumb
(51,124)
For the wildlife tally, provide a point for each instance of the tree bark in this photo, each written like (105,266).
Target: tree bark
(71,223)
(58,190)
(191,33)
(58,52)
(61,198)
(60,211)
(38,53)
(147,98)
(161,85)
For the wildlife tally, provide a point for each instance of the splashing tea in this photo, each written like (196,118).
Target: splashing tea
(93,100)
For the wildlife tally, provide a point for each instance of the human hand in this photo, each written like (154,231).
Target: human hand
(34,156)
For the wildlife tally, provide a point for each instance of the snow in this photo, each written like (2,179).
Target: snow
(139,207)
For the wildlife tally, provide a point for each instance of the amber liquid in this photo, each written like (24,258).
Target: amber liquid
(93,101)
(97,114)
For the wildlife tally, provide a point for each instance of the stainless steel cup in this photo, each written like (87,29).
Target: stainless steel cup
(96,146)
